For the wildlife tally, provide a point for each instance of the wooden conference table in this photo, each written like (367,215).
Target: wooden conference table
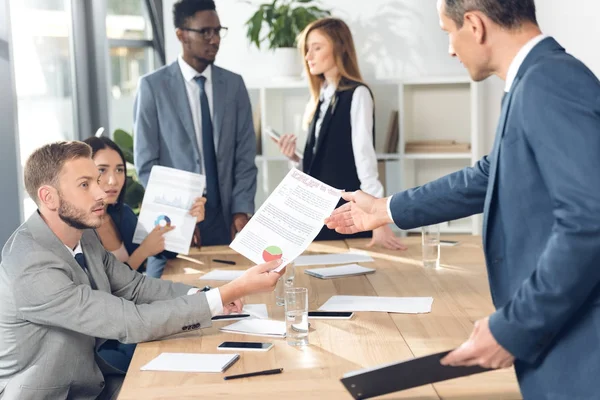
(461,296)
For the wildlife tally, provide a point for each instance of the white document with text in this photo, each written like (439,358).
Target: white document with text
(288,221)
(167,201)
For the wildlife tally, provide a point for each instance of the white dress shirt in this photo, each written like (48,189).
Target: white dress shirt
(511,74)
(213,296)
(361,121)
(193,93)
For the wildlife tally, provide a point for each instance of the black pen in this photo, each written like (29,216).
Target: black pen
(225,262)
(257,373)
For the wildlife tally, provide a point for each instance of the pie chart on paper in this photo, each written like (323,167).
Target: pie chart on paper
(272,253)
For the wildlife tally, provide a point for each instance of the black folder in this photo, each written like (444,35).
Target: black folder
(371,382)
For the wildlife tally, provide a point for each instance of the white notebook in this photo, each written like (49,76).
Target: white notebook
(341,258)
(222,275)
(406,305)
(339,271)
(190,362)
(257,327)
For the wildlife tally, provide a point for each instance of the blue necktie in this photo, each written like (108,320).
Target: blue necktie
(81,261)
(213,197)
(79,257)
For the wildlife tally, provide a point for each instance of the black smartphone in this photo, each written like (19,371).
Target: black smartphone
(229,317)
(245,346)
(330,314)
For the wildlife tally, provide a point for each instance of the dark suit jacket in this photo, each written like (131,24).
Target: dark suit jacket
(540,194)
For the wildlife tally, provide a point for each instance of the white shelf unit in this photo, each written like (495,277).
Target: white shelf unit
(444,108)
(426,106)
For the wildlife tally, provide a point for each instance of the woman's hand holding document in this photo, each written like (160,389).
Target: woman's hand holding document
(288,221)
(173,198)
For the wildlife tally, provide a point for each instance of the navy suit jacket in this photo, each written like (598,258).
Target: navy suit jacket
(539,190)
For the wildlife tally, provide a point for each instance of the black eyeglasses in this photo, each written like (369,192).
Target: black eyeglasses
(209,33)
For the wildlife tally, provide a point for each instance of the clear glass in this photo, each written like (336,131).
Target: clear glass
(430,240)
(286,281)
(127,65)
(127,19)
(43,65)
(296,316)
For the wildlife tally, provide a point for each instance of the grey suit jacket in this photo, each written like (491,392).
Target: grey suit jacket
(52,322)
(164,133)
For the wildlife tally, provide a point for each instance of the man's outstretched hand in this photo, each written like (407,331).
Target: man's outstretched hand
(363,212)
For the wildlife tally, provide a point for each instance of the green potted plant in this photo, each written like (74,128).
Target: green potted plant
(278,23)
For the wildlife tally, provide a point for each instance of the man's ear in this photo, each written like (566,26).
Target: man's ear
(48,196)
(181,36)
(476,25)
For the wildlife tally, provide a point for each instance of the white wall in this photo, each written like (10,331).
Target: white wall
(394,38)
(402,38)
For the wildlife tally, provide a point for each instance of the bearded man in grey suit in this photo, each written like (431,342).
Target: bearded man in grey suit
(63,296)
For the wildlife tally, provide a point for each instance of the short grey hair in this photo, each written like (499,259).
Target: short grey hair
(506,13)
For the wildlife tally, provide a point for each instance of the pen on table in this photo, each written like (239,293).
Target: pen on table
(224,261)
(257,373)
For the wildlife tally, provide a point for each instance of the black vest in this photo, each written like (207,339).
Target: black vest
(333,161)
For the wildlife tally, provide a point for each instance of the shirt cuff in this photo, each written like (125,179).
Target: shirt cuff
(389,208)
(213,297)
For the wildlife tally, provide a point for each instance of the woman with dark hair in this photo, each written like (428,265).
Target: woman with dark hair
(116,232)
(117,229)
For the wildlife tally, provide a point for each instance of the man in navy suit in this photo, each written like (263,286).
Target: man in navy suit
(540,194)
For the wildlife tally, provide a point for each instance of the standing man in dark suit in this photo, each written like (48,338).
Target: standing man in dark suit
(539,192)
(195,116)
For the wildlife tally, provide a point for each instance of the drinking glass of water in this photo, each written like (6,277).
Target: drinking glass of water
(296,316)
(430,238)
(286,281)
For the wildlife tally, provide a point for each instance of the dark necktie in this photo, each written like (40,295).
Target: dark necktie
(79,257)
(213,197)
(311,141)
(81,261)
(504,96)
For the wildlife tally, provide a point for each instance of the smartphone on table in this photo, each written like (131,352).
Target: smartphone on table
(330,314)
(245,346)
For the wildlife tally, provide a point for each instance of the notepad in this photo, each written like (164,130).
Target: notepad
(189,362)
(339,271)
(257,327)
(405,305)
(341,258)
(222,275)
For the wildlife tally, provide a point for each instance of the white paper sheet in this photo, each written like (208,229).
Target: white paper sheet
(257,327)
(256,310)
(406,305)
(168,199)
(222,275)
(339,271)
(288,221)
(189,362)
(341,258)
